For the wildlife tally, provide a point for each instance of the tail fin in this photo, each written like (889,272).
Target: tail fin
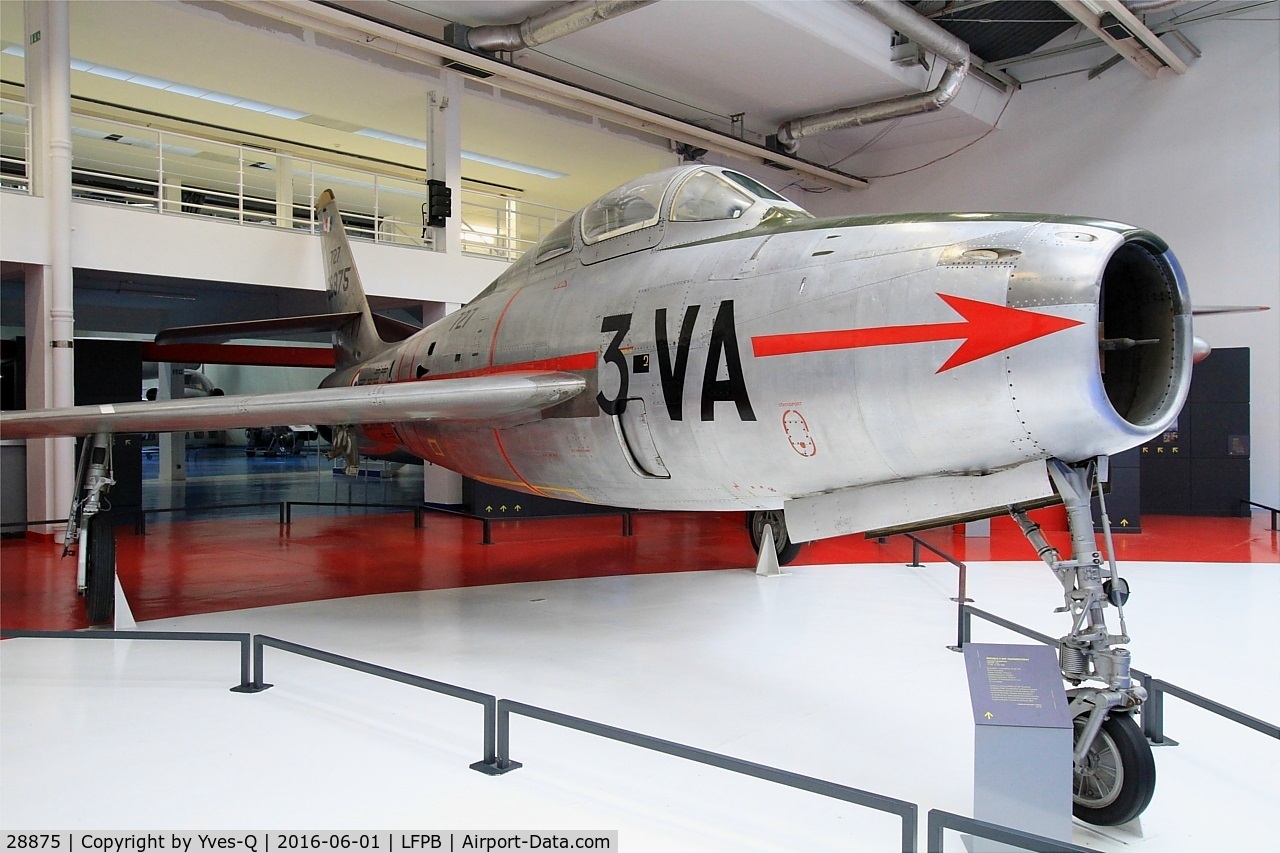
(358,339)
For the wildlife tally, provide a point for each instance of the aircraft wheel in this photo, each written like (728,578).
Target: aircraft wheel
(757,519)
(1118,777)
(100,569)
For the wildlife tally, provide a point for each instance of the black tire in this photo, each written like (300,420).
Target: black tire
(786,549)
(100,569)
(1119,775)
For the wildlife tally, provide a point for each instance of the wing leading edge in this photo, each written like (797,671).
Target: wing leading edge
(480,398)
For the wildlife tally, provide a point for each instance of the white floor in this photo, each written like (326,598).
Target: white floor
(839,672)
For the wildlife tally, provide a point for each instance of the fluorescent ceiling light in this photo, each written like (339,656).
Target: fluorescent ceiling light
(392,137)
(466,155)
(189,91)
(170,86)
(512,165)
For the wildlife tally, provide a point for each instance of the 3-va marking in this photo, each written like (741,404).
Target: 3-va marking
(673,365)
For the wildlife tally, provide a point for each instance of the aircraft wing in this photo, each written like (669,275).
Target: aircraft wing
(480,398)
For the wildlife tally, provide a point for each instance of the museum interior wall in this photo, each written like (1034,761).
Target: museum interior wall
(1191,157)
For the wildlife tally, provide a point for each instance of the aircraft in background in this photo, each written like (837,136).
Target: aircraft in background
(692,340)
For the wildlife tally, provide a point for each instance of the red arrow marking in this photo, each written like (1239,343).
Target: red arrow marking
(987,329)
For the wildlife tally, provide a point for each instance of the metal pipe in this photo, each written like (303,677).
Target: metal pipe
(920,30)
(1141,7)
(550,25)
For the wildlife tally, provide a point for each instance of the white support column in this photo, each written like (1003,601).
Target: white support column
(284,191)
(440,485)
(50,318)
(173,445)
(444,154)
(42,492)
(977,529)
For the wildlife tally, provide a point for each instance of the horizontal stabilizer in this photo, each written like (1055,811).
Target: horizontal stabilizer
(217,333)
(260,355)
(391,331)
(1228,309)
(469,399)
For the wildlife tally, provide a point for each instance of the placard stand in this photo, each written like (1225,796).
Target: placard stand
(1022,741)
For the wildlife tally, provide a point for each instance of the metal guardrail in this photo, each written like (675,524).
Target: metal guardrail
(961,597)
(1153,720)
(500,226)
(285,510)
(286,513)
(628,523)
(488,765)
(245,685)
(1157,688)
(908,812)
(497,719)
(497,733)
(15,146)
(939,820)
(1275,513)
(140,514)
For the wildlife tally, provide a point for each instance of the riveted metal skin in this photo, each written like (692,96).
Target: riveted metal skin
(726,335)
(874,415)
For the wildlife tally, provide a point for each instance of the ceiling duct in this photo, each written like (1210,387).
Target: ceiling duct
(1142,7)
(552,24)
(918,29)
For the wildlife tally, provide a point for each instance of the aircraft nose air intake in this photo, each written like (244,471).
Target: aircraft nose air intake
(1144,333)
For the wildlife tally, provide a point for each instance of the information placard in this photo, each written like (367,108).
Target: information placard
(1014,685)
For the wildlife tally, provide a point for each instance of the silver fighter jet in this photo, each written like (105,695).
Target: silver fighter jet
(694,341)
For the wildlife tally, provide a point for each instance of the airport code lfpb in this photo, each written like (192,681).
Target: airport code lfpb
(385,841)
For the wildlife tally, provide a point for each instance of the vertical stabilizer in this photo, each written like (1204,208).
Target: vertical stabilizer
(357,340)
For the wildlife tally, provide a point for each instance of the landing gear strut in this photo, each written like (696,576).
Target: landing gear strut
(1114,772)
(91,536)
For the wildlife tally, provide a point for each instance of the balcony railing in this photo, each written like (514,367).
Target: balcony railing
(15,146)
(174,173)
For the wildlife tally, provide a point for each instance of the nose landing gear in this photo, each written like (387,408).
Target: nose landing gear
(1114,772)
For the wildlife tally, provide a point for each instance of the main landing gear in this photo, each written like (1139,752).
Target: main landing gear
(1114,773)
(756,521)
(90,535)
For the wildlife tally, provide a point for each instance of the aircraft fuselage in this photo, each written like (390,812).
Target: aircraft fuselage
(741,371)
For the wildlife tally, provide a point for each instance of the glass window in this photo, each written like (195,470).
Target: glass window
(556,243)
(754,186)
(630,207)
(705,197)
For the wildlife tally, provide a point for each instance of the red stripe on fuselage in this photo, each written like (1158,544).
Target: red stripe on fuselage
(801,342)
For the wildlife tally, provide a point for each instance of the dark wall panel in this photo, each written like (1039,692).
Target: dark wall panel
(111,372)
(1201,465)
(1216,489)
(1223,377)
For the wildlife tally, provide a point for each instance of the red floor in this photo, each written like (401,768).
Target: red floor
(183,568)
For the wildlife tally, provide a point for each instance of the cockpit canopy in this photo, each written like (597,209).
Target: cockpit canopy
(661,210)
(684,194)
